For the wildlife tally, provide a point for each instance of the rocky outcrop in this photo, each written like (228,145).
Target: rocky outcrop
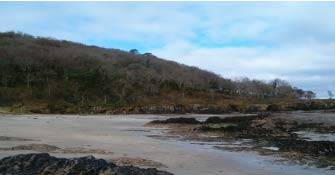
(180,120)
(266,133)
(43,164)
(315,148)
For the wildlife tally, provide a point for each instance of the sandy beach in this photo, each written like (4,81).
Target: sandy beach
(124,136)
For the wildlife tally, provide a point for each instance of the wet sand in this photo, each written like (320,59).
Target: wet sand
(125,136)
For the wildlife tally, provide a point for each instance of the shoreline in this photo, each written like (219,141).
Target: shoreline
(125,136)
(316,105)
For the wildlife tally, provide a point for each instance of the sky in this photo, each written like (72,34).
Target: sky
(294,41)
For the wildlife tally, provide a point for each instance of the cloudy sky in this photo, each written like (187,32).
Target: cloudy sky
(292,41)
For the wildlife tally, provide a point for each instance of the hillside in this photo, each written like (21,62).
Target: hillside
(52,76)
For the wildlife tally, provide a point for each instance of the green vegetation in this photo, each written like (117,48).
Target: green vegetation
(45,75)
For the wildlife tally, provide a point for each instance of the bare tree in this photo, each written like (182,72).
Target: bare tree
(330,94)
(309,95)
(27,65)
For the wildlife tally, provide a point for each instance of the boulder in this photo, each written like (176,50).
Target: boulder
(43,164)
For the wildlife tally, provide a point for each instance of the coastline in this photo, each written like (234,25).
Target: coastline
(125,136)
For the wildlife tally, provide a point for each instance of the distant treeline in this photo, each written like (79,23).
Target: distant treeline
(50,70)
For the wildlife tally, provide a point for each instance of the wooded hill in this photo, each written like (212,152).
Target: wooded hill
(55,74)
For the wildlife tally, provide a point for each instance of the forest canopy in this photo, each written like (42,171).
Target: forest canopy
(49,70)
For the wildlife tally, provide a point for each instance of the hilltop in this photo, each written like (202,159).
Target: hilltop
(45,75)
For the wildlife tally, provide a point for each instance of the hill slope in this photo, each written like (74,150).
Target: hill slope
(61,74)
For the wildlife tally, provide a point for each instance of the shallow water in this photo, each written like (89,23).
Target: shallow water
(314,136)
(272,148)
(125,135)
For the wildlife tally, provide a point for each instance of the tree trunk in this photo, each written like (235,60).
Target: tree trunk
(28,80)
(49,89)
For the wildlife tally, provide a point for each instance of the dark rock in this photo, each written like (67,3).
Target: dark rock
(315,148)
(234,119)
(215,120)
(275,108)
(255,127)
(180,120)
(42,164)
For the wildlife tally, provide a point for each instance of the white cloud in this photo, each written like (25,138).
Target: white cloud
(310,66)
(290,40)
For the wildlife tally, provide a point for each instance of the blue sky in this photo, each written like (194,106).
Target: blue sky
(294,41)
